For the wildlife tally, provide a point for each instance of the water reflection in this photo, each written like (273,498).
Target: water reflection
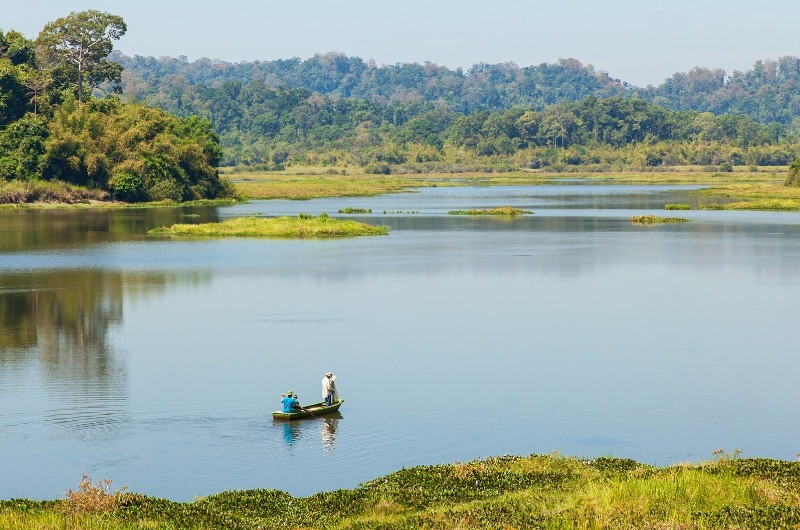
(328,433)
(40,228)
(295,431)
(55,331)
(291,433)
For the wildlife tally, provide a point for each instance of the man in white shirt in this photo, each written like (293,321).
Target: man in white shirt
(329,388)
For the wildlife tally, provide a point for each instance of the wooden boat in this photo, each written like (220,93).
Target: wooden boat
(310,411)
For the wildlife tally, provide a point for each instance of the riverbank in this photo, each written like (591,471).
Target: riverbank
(538,491)
(745,188)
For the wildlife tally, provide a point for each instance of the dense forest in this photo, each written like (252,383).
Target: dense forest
(177,121)
(60,120)
(335,110)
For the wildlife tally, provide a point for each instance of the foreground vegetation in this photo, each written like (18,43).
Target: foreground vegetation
(302,226)
(506,492)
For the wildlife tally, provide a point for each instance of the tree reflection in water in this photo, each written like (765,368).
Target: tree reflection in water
(54,333)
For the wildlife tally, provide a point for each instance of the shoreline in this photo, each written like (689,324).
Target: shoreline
(743,189)
(542,491)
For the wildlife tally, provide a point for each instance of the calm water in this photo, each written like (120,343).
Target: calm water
(156,363)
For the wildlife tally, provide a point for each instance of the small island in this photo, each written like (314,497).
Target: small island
(656,220)
(300,227)
(497,210)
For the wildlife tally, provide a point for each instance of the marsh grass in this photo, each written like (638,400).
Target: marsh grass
(539,491)
(350,210)
(655,220)
(318,185)
(302,226)
(498,210)
(756,196)
(677,207)
(43,191)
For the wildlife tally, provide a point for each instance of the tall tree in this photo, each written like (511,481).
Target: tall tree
(82,41)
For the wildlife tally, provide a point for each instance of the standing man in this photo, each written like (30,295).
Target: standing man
(328,388)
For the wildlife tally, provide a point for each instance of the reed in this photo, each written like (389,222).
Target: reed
(350,210)
(677,207)
(302,226)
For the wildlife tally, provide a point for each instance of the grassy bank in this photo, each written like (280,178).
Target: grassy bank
(302,226)
(507,492)
(314,183)
(745,187)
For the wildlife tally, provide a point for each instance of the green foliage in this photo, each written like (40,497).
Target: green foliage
(21,149)
(135,152)
(509,492)
(677,207)
(794,174)
(79,44)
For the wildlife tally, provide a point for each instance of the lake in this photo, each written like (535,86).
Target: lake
(157,362)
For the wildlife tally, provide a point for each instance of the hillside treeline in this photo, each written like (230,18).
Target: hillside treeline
(767,93)
(52,128)
(268,127)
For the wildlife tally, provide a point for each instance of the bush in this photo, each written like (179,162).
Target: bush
(166,190)
(378,168)
(794,174)
(725,167)
(127,186)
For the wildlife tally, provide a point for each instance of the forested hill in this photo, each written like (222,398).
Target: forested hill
(482,87)
(767,93)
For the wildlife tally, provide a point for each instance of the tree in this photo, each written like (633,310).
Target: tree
(82,41)
(794,174)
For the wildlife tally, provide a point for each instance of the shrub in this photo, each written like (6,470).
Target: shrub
(127,186)
(794,174)
(93,497)
(378,168)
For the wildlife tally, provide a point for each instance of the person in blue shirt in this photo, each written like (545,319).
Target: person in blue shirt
(290,403)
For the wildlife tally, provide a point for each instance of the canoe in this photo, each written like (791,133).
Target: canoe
(317,409)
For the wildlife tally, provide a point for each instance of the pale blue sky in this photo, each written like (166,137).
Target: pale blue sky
(642,42)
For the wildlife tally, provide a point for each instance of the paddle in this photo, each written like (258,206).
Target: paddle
(306,410)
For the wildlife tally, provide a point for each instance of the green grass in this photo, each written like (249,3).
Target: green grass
(538,491)
(677,207)
(656,220)
(499,210)
(302,226)
(350,210)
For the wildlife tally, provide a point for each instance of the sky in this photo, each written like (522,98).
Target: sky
(639,41)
